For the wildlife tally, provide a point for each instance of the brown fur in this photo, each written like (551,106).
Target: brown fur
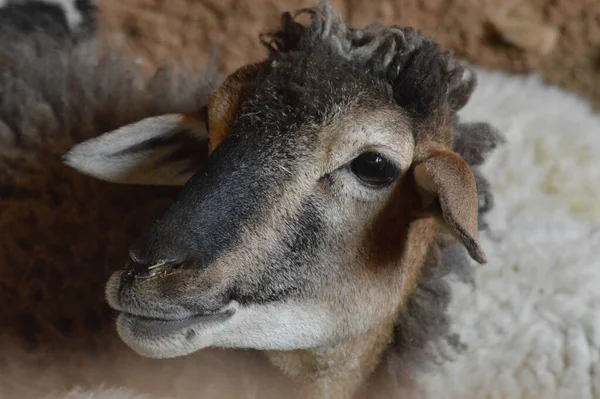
(224,104)
(449,180)
(339,371)
(342,370)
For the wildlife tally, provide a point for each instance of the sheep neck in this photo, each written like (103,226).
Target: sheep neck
(335,372)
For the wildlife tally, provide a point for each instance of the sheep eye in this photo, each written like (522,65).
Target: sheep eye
(373,170)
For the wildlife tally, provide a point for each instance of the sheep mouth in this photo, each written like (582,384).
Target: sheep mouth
(150,327)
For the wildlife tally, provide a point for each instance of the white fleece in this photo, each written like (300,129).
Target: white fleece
(533,323)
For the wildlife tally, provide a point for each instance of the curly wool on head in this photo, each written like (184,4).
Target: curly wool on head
(426,80)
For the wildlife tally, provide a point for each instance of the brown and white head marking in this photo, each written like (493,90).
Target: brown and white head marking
(315,185)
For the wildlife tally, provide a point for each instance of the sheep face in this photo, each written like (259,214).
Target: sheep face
(309,220)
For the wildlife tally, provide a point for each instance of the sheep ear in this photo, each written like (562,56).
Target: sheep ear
(160,150)
(447,185)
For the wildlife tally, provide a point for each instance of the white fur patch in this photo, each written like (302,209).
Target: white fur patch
(72,14)
(70,11)
(533,323)
(103,157)
(280,326)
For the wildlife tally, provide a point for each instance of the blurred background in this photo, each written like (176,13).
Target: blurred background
(559,39)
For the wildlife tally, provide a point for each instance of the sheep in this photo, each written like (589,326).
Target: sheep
(316,228)
(324,201)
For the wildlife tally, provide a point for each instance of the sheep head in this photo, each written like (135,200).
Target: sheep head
(313,184)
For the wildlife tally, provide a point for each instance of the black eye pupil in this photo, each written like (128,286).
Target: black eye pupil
(373,169)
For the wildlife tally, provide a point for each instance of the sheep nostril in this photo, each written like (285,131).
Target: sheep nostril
(143,271)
